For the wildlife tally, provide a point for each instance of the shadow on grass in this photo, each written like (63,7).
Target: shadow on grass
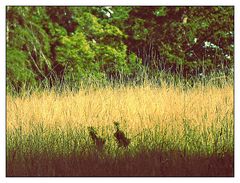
(144,163)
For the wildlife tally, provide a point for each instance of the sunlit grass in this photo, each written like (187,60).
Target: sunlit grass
(195,121)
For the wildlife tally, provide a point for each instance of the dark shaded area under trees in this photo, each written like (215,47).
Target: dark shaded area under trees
(55,45)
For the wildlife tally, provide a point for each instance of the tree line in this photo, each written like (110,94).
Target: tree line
(53,44)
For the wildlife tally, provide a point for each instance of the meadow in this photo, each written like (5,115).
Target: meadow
(174,131)
(119,90)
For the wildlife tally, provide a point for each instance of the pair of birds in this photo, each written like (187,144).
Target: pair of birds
(119,135)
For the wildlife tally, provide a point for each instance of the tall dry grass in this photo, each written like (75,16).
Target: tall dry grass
(169,118)
(137,108)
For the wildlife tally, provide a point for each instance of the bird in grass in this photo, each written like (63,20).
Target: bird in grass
(98,141)
(121,139)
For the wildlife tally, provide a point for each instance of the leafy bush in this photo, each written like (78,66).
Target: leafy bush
(18,70)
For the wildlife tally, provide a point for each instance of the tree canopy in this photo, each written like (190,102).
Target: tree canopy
(52,44)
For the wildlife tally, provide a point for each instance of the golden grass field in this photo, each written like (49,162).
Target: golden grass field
(138,108)
(198,120)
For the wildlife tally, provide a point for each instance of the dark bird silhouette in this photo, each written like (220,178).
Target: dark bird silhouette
(121,139)
(98,141)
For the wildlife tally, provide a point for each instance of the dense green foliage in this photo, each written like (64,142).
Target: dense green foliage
(48,45)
